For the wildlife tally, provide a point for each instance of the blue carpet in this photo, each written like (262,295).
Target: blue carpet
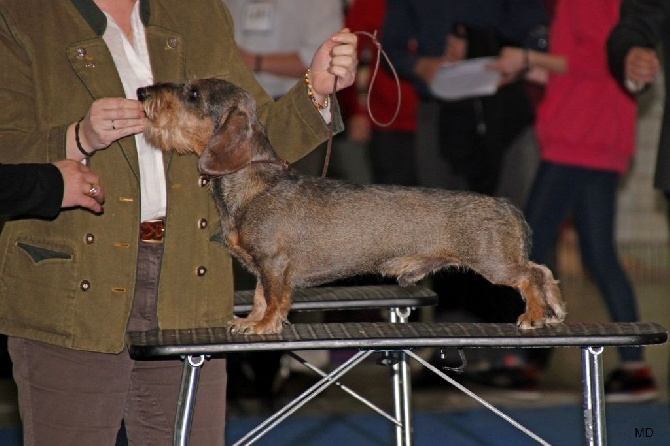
(560,426)
(644,425)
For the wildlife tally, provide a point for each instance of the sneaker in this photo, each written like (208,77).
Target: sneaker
(631,386)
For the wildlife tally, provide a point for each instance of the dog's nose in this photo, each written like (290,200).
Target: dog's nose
(142,93)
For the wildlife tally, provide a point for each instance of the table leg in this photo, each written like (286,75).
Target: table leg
(402,385)
(186,401)
(594,405)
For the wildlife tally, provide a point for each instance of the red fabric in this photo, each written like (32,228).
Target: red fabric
(368,15)
(585,118)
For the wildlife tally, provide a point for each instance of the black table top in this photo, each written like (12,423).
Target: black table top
(391,336)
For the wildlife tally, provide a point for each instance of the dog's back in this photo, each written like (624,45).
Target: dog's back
(314,218)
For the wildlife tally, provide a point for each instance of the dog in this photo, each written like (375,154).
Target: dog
(292,230)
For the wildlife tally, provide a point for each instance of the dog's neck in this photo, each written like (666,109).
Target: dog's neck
(285,164)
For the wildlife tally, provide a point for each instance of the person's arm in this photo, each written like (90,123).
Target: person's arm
(631,56)
(30,189)
(572,22)
(41,190)
(23,140)
(534,65)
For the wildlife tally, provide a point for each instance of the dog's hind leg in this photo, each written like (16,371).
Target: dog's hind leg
(543,280)
(537,286)
(543,298)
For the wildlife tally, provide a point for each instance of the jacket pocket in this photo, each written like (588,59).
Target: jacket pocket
(39,254)
(37,284)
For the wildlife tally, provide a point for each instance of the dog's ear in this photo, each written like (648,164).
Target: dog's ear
(230,148)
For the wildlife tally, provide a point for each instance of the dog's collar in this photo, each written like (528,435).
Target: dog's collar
(284,164)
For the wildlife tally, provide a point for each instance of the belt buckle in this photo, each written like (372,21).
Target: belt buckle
(152,231)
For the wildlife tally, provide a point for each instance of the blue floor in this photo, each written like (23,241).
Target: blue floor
(644,425)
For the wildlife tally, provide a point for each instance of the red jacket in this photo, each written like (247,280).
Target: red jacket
(585,118)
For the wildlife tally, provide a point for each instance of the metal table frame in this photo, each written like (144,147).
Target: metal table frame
(399,301)
(398,340)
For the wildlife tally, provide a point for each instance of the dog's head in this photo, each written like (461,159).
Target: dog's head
(212,118)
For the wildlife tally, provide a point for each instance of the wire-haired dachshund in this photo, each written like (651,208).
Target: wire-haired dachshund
(292,230)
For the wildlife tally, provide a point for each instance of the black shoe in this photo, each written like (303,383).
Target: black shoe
(631,386)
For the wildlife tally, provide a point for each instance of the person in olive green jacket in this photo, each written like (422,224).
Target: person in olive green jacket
(71,288)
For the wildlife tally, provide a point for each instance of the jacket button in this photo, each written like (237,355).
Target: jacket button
(201,271)
(80,53)
(172,43)
(202,223)
(202,181)
(90,238)
(85,285)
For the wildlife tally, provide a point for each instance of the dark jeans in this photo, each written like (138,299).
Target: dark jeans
(589,196)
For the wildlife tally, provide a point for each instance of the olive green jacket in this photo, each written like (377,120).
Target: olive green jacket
(70,281)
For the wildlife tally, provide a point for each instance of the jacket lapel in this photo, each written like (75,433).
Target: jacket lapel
(166,51)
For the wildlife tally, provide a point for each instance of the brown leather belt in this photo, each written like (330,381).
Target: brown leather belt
(152,231)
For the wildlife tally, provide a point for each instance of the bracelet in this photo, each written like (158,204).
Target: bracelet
(258,62)
(76,139)
(310,93)
(526,62)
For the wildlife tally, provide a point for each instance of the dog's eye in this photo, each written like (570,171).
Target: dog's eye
(193,94)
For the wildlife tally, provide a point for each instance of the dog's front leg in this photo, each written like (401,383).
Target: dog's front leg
(258,308)
(272,302)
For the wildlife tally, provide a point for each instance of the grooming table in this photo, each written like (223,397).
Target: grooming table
(399,301)
(194,345)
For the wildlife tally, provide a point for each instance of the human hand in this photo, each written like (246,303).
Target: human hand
(456,49)
(427,67)
(641,66)
(510,62)
(110,119)
(82,187)
(335,57)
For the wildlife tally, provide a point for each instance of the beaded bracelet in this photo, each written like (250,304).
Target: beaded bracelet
(76,139)
(310,93)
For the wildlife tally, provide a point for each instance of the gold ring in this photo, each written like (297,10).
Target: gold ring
(93,190)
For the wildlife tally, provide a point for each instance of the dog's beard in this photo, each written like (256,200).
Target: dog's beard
(180,133)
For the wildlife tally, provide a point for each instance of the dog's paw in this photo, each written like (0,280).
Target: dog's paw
(248,326)
(526,322)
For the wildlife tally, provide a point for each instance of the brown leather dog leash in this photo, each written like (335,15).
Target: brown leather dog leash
(333,102)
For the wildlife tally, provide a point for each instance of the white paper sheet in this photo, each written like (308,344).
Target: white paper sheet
(459,80)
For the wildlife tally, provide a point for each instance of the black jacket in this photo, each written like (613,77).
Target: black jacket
(30,189)
(646,23)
